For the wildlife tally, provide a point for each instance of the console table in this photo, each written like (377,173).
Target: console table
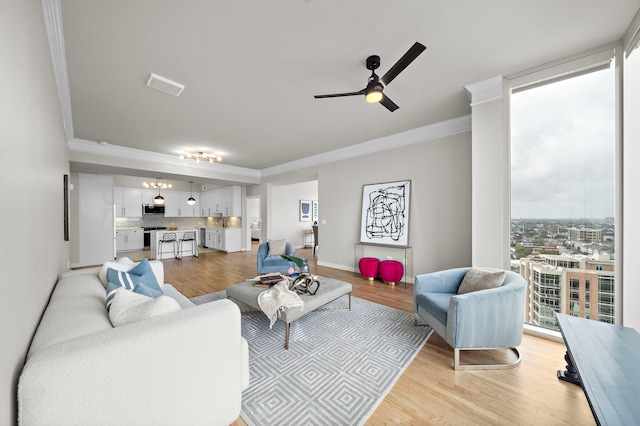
(603,359)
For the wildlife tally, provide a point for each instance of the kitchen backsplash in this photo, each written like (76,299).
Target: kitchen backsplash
(180,222)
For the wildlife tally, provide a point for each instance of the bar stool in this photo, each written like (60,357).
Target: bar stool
(188,236)
(168,237)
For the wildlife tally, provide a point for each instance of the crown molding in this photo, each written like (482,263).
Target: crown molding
(421,134)
(631,38)
(116,151)
(52,11)
(485,90)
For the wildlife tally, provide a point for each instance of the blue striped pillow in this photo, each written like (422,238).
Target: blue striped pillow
(140,279)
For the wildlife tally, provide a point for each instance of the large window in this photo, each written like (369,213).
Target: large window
(562,193)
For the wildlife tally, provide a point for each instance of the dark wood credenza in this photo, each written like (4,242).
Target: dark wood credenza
(605,360)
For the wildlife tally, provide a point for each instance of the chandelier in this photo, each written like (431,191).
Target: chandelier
(157,184)
(201,156)
(158,199)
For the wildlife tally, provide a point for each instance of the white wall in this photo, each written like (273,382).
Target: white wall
(33,161)
(285,219)
(440,221)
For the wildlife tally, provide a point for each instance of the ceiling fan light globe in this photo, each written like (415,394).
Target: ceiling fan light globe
(373,96)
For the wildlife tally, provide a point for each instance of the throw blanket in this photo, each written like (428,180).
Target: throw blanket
(277,298)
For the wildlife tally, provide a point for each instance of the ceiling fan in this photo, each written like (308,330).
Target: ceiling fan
(375,86)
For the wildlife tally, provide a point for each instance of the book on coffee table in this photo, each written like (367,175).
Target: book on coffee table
(267,281)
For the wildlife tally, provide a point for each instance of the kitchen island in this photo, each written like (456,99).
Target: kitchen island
(224,239)
(167,249)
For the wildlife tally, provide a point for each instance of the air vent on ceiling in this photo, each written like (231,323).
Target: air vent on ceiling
(165,85)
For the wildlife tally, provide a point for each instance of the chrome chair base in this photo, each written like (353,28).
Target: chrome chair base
(461,367)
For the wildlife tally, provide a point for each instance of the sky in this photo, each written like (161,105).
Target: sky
(562,149)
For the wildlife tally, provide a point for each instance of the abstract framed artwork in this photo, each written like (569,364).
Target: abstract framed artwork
(305,211)
(65,201)
(385,213)
(314,210)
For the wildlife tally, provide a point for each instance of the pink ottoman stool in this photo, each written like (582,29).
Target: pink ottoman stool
(369,267)
(391,271)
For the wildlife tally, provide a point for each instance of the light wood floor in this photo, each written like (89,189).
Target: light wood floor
(429,391)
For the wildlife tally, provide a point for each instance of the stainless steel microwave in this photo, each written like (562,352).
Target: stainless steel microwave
(153,209)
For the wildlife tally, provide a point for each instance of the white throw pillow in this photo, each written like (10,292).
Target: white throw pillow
(124,264)
(129,307)
(277,247)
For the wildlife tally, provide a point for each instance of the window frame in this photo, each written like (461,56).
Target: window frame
(570,67)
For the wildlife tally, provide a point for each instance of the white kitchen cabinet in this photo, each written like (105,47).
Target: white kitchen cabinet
(203,204)
(148,196)
(171,204)
(185,209)
(221,202)
(231,201)
(215,202)
(175,204)
(211,203)
(128,202)
(210,241)
(130,239)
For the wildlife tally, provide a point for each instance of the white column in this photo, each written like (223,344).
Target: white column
(490,174)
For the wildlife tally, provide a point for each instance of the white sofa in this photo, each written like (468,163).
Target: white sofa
(187,367)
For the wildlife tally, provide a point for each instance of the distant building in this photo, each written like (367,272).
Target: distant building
(585,234)
(571,285)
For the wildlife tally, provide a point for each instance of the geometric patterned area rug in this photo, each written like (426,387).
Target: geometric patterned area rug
(339,366)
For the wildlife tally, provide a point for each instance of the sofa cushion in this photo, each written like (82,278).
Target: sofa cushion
(437,304)
(76,309)
(140,279)
(277,247)
(481,279)
(182,300)
(128,307)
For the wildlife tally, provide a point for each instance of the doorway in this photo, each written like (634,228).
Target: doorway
(254,223)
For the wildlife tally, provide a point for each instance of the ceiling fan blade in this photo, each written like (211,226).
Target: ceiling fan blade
(403,62)
(388,103)
(339,95)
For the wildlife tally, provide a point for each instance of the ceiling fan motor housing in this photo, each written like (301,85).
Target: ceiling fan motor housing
(373,62)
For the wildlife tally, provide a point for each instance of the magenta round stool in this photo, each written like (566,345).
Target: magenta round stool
(391,271)
(369,267)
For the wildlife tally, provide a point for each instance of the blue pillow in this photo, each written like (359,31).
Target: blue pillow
(140,279)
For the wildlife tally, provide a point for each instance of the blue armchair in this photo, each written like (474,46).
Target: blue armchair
(274,264)
(484,319)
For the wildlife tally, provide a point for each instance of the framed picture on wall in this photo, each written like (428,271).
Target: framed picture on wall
(65,201)
(314,210)
(305,211)
(385,213)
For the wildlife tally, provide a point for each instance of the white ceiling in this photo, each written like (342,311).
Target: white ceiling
(251,68)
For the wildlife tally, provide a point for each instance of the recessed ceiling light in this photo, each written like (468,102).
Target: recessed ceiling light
(165,85)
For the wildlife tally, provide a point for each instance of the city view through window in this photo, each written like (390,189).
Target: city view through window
(562,197)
